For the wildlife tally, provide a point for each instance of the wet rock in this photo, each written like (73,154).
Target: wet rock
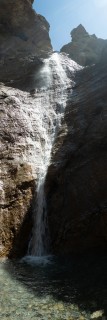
(85,49)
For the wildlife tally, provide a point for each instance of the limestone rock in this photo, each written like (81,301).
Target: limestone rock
(24,40)
(17,179)
(21,148)
(76,184)
(85,49)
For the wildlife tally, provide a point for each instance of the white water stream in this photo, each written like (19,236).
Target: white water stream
(52,96)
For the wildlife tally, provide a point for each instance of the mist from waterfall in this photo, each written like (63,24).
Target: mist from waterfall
(54,83)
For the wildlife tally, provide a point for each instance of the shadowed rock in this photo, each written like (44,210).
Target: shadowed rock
(24,40)
(85,49)
(76,184)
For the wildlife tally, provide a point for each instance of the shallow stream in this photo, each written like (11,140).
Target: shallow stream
(56,288)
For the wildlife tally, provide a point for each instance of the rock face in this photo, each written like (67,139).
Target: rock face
(77,177)
(85,49)
(76,184)
(28,123)
(24,40)
(17,183)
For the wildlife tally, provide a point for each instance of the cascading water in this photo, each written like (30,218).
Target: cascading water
(52,96)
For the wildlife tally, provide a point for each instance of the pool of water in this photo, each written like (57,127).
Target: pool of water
(54,288)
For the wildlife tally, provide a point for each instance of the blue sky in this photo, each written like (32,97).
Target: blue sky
(64,15)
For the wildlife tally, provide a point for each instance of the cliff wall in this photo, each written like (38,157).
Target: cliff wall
(85,49)
(24,41)
(76,184)
(77,178)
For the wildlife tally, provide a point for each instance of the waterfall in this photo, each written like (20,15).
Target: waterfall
(52,93)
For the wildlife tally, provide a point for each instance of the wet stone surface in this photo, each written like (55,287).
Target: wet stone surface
(60,289)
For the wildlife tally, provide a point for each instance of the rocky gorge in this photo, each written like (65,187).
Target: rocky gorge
(30,104)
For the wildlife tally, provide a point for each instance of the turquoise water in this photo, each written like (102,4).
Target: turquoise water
(55,289)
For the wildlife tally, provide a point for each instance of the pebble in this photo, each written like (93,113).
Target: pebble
(60,306)
(97,314)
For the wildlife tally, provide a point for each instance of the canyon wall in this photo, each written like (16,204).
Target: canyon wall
(24,41)
(76,179)
(85,49)
(76,184)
